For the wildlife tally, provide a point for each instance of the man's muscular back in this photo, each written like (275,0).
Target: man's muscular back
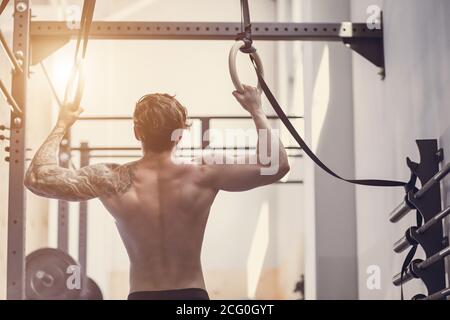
(161,218)
(161,207)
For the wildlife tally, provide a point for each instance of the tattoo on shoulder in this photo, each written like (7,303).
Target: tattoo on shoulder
(124,178)
(112,179)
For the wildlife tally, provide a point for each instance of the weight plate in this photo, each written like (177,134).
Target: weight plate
(47,275)
(91,291)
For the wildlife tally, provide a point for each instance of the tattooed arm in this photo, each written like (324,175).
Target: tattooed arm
(47,179)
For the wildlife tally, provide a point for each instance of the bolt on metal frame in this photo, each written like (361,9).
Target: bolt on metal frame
(83,217)
(45,37)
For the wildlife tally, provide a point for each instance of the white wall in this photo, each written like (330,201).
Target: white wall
(290,206)
(412,103)
(325,87)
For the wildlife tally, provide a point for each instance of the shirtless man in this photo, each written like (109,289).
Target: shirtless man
(161,206)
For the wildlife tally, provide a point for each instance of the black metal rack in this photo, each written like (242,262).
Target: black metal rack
(430,235)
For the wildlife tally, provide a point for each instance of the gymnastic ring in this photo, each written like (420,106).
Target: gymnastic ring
(75,85)
(232,64)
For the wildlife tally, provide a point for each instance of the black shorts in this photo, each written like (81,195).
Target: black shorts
(183,294)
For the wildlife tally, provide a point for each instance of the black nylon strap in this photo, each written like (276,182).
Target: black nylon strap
(410,256)
(246,22)
(410,187)
(3,6)
(246,29)
(288,124)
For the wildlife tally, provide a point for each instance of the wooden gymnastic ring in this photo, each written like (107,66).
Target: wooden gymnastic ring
(232,64)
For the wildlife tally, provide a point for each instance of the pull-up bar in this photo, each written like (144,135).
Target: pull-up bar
(49,36)
(127,118)
(162,30)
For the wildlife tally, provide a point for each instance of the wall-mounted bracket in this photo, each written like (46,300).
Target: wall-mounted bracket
(430,236)
(371,49)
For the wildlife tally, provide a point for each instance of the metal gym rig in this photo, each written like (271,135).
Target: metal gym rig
(45,37)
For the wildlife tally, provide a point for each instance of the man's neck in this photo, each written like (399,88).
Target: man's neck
(157,156)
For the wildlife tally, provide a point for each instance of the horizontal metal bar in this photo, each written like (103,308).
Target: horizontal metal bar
(433,181)
(441,295)
(113,156)
(435,258)
(404,243)
(106,118)
(133,30)
(139,156)
(11,58)
(179,149)
(124,156)
(401,245)
(397,281)
(290,182)
(399,212)
(439,217)
(403,209)
(9,98)
(108,149)
(124,118)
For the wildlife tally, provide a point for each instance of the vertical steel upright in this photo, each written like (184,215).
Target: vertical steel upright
(64,206)
(16,204)
(83,223)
